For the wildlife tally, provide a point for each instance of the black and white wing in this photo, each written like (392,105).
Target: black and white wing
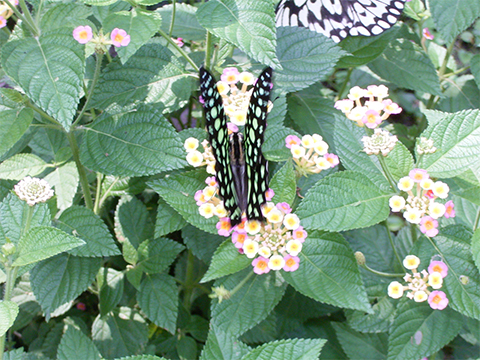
(338,19)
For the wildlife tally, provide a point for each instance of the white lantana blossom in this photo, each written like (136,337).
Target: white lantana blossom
(33,190)
(380,142)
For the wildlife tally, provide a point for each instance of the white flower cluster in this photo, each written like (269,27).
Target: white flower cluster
(33,190)
(196,158)
(425,146)
(380,142)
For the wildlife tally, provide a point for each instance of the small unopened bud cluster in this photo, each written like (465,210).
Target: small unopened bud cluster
(425,146)
(418,283)
(33,190)
(368,107)
(310,154)
(236,99)
(420,206)
(196,158)
(380,142)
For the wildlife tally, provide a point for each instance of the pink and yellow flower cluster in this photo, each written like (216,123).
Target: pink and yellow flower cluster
(418,283)
(420,206)
(118,37)
(368,107)
(310,154)
(196,158)
(6,12)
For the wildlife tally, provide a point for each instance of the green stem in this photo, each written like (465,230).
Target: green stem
(29,18)
(96,207)
(241,283)
(380,272)
(393,245)
(443,67)
(21,17)
(477,221)
(208,50)
(81,170)
(179,49)
(386,171)
(43,113)
(104,196)
(344,85)
(189,283)
(170,31)
(96,75)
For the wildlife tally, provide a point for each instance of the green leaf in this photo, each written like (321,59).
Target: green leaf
(110,282)
(22,165)
(14,121)
(248,25)
(120,333)
(451,17)
(360,346)
(65,15)
(65,182)
(419,331)
(225,261)
(140,25)
(454,135)
(154,256)
(132,222)
(61,279)
(399,161)
(85,224)
(343,201)
(305,57)
(142,357)
(284,184)
(187,348)
(42,242)
(475,68)
(158,299)
(132,142)
(178,191)
(8,314)
(5,187)
(53,85)
(379,321)
(329,273)
(168,220)
(293,349)
(274,148)
(463,94)
(202,244)
(75,342)
(277,115)
(99,2)
(221,345)
(123,186)
(186,25)
(406,65)
(240,313)
(476,248)
(364,49)
(155,75)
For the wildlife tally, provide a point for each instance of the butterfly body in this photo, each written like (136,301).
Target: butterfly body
(241,169)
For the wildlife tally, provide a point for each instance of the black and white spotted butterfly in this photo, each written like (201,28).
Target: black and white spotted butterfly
(241,170)
(338,19)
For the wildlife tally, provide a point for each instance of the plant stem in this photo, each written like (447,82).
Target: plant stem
(387,173)
(25,18)
(189,283)
(477,221)
(105,195)
(208,50)
(443,67)
(179,49)
(43,113)
(81,170)
(393,245)
(241,283)
(96,207)
(381,273)
(172,21)
(344,85)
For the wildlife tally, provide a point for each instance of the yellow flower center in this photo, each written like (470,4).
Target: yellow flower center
(118,38)
(83,35)
(436,299)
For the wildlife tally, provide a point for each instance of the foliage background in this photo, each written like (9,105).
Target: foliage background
(119,263)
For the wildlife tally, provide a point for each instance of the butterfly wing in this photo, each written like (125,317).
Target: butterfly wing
(216,121)
(339,18)
(256,164)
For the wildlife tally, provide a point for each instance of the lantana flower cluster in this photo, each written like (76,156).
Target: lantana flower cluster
(425,146)
(420,206)
(368,107)
(236,98)
(380,142)
(6,12)
(118,37)
(196,158)
(310,154)
(33,190)
(210,205)
(418,284)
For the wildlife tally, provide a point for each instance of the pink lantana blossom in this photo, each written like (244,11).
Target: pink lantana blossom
(3,22)
(291,263)
(437,300)
(371,119)
(438,266)
(238,239)
(300,234)
(178,41)
(390,107)
(428,226)
(232,127)
(285,207)
(332,159)
(200,198)
(292,140)
(449,211)
(427,34)
(269,194)
(119,37)
(260,265)
(418,175)
(230,75)
(224,227)
(83,34)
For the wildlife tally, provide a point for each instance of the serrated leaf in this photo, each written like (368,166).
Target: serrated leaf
(284,184)
(22,165)
(360,346)
(42,242)
(274,148)
(461,95)
(475,68)
(379,321)
(186,348)
(202,244)
(455,136)
(476,248)
(62,278)
(120,333)
(399,161)
(53,85)
(123,186)
(225,261)
(132,222)
(132,142)
(158,299)
(89,227)
(305,57)
(5,187)
(8,314)
(154,256)
(451,17)
(343,201)
(142,357)
(221,346)
(186,25)
(167,220)
(329,273)
(240,314)
(178,191)
(110,282)
(140,25)
(75,342)
(406,65)
(65,15)
(276,116)
(293,349)
(155,75)
(248,25)
(65,182)
(419,331)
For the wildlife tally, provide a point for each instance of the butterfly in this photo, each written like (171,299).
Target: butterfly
(337,19)
(241,169)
